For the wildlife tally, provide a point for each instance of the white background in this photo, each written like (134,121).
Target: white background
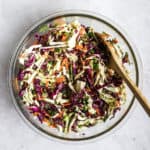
(17,15)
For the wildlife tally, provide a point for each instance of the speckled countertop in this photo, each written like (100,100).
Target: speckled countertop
(17,15)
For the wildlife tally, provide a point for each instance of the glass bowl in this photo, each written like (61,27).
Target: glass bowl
(100,24)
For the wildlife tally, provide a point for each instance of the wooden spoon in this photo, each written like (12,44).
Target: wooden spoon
(116,64)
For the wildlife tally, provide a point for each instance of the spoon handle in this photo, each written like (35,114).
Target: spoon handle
(120,70)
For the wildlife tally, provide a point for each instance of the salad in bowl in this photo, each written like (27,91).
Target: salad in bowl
(65,80)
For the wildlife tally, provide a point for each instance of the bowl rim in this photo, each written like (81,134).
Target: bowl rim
(56,14)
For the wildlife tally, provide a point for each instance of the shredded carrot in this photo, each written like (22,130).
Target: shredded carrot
(22,56)
(66,104)
(36,113)
(47,83)
(35,42)
(115,41)
(60,114)
(105,35)
(65,63)
(82,31)
(87,89)
(117,103)
(46,114)
(53,125)
(47,121)
(79,47)
(45,55)
(59,21)
(60,79)
(84,49)
(97,110)
(64,38)
(16,84)
(83,62)
(39,97)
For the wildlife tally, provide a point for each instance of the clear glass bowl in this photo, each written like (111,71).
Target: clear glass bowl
(100,24)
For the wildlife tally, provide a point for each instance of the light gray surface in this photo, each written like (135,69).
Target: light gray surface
(17,15)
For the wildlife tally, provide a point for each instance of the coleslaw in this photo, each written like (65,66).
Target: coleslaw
(65,79)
